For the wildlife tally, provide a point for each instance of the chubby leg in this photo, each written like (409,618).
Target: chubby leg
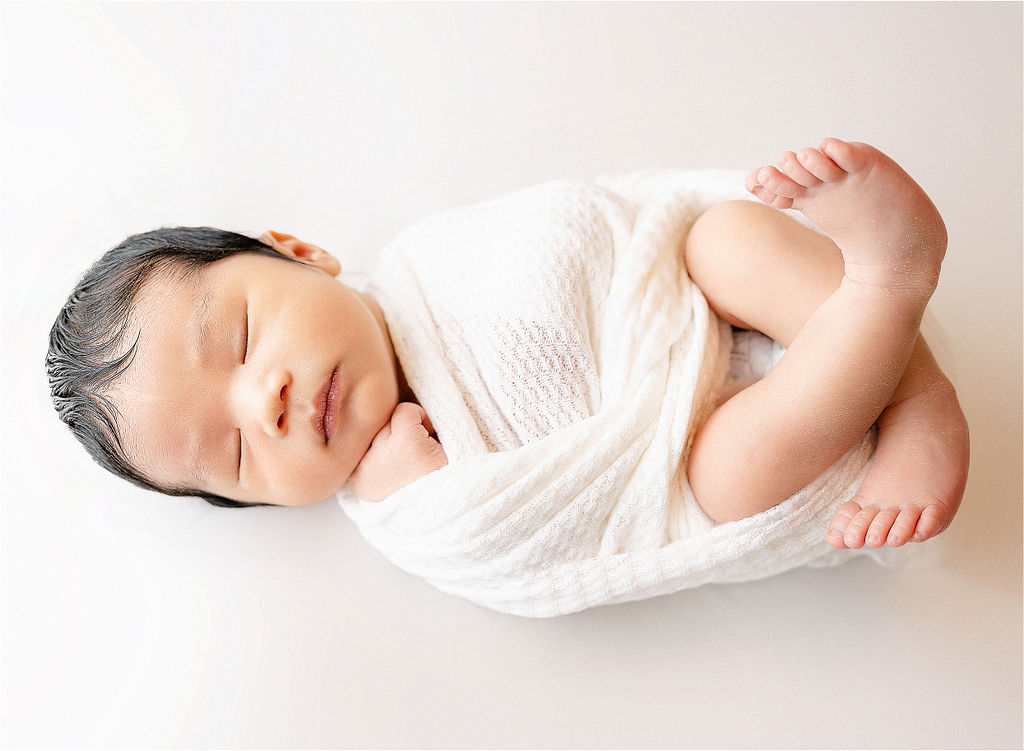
(848,313)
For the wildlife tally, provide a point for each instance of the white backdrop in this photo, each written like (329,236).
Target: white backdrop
(134,620)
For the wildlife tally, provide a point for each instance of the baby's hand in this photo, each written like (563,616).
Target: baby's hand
(400,453)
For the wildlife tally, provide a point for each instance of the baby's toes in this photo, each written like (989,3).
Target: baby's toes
(820,165)
(930,524)
(789,166)
(904,526)
(878,532)
(765,195)
(858,527)
(780,184)
(837,527)
(771,199)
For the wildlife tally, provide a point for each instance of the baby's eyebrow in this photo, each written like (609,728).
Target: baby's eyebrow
(200,324)
(198,472)
(199,331)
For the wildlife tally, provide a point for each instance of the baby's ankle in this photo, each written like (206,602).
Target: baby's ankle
(915,286)
(905,302)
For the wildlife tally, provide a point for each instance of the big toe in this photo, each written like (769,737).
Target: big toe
(932,521)
(850,157)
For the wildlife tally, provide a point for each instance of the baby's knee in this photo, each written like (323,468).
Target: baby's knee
(721,253)
(719,227)
(714,238)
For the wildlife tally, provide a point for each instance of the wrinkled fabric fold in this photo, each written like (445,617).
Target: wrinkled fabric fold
(566,361)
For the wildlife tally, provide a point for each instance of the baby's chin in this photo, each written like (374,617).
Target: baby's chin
(307,498)
(385,425)
(318,484)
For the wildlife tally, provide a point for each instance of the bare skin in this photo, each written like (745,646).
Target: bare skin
(847,307)
(403,451)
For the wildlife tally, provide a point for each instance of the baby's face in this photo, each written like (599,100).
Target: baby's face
(256,378)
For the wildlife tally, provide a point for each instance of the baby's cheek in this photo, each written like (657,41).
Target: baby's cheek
(309,477)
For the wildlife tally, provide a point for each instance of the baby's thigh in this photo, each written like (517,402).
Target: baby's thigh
(760,269)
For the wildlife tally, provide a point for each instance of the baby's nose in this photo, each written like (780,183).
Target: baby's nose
(271,402)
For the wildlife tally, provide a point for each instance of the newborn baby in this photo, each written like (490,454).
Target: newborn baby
(201,362)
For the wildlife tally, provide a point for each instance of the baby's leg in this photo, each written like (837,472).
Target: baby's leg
(849,318)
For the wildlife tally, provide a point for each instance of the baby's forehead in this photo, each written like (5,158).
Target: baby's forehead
(174,279)
(192,281)
(163,316)
(152,437)
(162,308)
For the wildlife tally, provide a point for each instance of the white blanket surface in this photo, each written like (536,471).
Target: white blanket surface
(566,361)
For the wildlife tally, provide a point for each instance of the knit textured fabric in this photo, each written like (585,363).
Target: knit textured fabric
(566,361)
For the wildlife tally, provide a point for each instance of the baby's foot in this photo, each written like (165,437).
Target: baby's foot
(917,477)
(890,233)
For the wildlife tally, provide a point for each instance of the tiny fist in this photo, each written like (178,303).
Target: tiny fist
(401,453)
(408,413)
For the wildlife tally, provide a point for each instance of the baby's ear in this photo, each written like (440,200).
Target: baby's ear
(308,253)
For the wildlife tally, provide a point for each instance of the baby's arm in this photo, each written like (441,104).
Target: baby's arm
(403,451)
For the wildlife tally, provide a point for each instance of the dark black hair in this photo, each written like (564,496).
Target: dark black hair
(87,353)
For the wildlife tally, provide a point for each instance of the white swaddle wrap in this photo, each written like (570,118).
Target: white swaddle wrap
(566,361)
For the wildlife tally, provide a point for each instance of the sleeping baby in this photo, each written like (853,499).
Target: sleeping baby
(545,402)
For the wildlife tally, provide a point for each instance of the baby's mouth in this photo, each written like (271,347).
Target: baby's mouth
(328,399)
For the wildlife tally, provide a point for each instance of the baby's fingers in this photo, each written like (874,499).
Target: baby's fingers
(409,415)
